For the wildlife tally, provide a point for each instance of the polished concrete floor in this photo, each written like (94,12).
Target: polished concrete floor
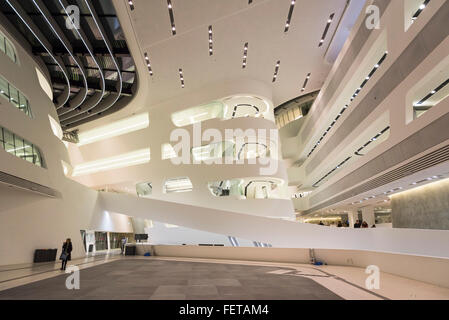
(111,276)
(152,279)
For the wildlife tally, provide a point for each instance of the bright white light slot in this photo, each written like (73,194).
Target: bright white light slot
(121,161)
(181,184)
(117,128)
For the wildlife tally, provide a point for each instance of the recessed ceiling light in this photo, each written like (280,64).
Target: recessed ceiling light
(210,41)
(147,60)
(172,18)
(181,77)
(326,29)
(276,70)
(245,54)
(305,82)
(289,15)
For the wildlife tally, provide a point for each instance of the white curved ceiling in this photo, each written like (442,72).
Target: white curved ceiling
(235,22)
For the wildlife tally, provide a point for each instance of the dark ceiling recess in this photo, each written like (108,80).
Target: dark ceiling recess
(92,72)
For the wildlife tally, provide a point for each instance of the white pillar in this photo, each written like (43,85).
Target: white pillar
(368,216)
(108,239)
(352,216)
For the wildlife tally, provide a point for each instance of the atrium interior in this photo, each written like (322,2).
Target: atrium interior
(231,150)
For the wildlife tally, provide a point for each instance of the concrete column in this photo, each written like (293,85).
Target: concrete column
(368,216)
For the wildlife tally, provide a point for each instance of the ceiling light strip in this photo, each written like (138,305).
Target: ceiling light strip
(48,51)
(181,77)
(70,53)
(420,9)
(348,158)
(276,70)
(211,52)
(365,81)
(305,82)
(172,17)
(100,70)
(371,140)
(433,92)
(289,16)
(147,62)
(245,55)
(326,29)
(131,4)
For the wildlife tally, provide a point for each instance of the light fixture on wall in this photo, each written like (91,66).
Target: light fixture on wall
(113,129)
(115,162)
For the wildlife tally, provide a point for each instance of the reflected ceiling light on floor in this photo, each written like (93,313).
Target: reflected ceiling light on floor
(211,52)
(326,29)
(420,9)
(289,16)
(276,70)
(245,55)
(131,4)
(181,77)
(114,129)
(116,162)
(147,61)
(172,18)
(305,82)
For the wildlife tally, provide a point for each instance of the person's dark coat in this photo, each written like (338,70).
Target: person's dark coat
(68,250)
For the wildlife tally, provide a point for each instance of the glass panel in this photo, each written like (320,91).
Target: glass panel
(10,52)
(37,157)
(2,43)
(19,147)
(14,96)
(4,88)
(9,141)
(101,241)
(29,155)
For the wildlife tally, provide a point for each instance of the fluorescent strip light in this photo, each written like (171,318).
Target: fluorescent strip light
(121,161)
(114,129)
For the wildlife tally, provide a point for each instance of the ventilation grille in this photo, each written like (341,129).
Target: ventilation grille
(429,160)
(27,185)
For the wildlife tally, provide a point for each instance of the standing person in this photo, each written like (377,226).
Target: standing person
(123,245)
(66,254)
